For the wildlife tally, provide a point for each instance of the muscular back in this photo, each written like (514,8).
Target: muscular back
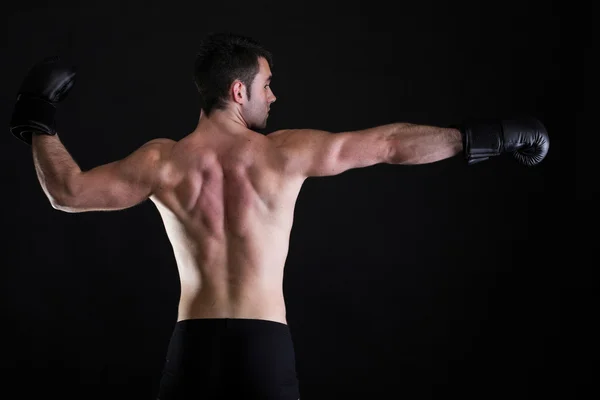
(227,206)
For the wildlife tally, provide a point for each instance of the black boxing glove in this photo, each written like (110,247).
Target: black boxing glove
(526,138)
(47,83)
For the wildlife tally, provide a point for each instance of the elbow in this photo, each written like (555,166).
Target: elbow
(56,205)
(66,199)
(63,202)
(62,205)
(67,209)
(56,201)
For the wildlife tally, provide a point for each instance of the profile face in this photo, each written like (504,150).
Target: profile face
(256,110)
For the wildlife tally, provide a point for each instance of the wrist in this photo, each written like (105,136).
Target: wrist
(456,139)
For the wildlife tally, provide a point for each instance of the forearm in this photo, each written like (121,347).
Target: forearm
(422,144)
(54,167)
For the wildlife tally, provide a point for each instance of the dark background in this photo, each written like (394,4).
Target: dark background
(412,282)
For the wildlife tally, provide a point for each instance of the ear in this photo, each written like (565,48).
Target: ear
(238,92)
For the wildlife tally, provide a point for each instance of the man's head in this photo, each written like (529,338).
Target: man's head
(234,71)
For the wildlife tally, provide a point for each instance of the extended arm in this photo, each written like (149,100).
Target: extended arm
(318,153)
(113,186)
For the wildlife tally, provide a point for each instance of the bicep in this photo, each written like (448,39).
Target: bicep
(117,185)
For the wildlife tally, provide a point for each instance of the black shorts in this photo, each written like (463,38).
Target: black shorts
(230,359)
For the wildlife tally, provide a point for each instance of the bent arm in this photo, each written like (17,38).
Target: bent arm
(113,186)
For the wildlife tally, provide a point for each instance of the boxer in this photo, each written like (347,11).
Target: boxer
(226,195)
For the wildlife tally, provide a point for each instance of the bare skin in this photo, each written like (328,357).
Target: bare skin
(226,194)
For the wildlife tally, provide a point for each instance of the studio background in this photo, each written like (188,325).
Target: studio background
(419,282)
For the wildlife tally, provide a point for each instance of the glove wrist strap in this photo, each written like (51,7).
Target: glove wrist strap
(32,115)
(482,140)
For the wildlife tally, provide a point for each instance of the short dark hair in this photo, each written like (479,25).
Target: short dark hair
(221,59)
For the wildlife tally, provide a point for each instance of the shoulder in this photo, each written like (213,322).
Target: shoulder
(301,149)
(160,142)
(159,147)
(278,136)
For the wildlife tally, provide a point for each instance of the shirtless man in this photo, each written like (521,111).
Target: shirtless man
(226,195)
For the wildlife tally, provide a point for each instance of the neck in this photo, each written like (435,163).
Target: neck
(224,121)
(228,117)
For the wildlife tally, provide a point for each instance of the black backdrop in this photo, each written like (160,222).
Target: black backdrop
(419,282)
